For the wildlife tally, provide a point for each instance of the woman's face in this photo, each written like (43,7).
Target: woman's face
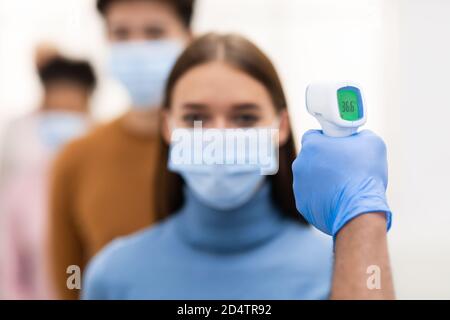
(221,96)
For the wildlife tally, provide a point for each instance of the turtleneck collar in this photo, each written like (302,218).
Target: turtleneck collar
(229,230)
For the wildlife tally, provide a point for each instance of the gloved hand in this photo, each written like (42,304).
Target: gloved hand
(337,179)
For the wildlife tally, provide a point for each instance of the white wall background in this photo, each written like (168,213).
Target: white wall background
(419,138)
(397,49)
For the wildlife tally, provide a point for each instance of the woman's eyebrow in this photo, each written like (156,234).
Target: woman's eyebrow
(246,106)
(154,27)
(195,106)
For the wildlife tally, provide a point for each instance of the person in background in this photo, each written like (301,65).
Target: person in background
(101,186)
(32,143)
(14,154)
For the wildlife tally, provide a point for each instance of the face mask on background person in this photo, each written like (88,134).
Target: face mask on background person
(143,68)
(56,128)
(226,186)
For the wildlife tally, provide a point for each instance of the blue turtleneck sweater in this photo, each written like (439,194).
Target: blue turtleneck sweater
(253,252)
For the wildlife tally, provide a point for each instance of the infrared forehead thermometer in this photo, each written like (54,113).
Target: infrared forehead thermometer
(339,107)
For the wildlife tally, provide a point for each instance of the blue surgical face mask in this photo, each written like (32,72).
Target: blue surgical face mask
(143,68)
(223,186)
(56,128)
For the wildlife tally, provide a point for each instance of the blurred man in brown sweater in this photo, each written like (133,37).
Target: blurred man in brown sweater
(101,185)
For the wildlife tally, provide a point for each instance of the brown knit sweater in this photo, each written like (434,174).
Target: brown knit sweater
(101,189)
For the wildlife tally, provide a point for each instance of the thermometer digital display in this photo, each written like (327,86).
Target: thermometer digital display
(339,107)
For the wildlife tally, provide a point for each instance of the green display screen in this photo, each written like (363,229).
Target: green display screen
(348,104)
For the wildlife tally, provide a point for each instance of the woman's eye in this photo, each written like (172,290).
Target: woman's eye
(121,34)
(189,119)
(153,33)
(246,120)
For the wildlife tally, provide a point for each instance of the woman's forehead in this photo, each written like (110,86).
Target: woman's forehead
(219,82)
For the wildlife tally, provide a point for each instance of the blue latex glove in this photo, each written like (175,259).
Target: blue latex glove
(337,179)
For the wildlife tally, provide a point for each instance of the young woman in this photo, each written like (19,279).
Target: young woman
(224,234)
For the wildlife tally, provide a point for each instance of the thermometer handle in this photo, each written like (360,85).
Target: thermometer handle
(331,130)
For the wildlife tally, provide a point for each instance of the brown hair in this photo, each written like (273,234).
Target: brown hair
(245,56)
(184,8)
